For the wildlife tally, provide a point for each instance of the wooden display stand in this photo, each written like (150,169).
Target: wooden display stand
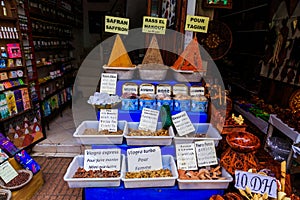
(28,191)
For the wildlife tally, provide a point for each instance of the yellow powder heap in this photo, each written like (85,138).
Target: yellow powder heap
(153,53)
(190,59)
(119,56)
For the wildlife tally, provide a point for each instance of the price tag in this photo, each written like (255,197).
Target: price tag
(108,83)
(163,89)
(116,25)
(197,91)
(196,23)
(154,25)
(183,123)
(105,159)
(206,153)
(7,172)
(148,119)
(257,183)
(186,157)
(147,89)
(180,89)
(108,120)
(130,88)
(147,158)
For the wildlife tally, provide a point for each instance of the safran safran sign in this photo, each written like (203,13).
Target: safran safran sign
(116,25)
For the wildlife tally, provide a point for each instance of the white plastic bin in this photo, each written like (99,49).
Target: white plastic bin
(201,128)
(89,182)
(167,162)
(148,140)
(98,139)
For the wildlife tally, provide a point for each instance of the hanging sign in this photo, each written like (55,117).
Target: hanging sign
(154,25)
(108,120)
(108,83)
(149,118)
(146,158)
(7,172)
(196,23)
(105,159)
(206,153)
(116,25)
(257,183)
(186,157)
(183,123)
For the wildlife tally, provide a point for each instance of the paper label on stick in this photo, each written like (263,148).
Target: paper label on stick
(116,25)
(154,25)
(141,159)
(105,159)
(186,156)
(257,183)
(148,119)
(196,23)
(7,172)
(108,83)
(183,123)
(108,120)
(206,153)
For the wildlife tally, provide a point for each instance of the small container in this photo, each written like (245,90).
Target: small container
(167,162)
(182,102)
(89,182)
(147,101)
(199,104)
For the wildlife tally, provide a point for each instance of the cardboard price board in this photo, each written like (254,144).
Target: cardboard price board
(186,156)
(116,25)
(7,172)
(183,123)
(196,23)
(206,153)
(154,25)
(108,83)
(257,183)
(148,119)
(108,120)
(105,159)
(147,158)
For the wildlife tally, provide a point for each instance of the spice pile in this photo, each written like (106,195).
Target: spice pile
(149,174)
(160,132)
(20,179)
(93,131)
(82,173)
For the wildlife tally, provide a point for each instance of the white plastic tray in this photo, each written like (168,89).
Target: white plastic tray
(167,162)
(204,128)
(98,139)
(89,182)
(124,73)
(206,184)
(148,140)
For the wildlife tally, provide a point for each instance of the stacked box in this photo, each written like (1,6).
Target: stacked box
(4,112)
(19,100)
(25,98)
(7,146)
(11,103)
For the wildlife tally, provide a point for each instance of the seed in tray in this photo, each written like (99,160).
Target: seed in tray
(93,131)
(149,174)
(18,180)
(82,173)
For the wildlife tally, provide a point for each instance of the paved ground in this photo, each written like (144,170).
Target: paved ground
(55,188)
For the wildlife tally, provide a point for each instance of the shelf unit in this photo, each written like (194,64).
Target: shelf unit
(50,65)
(18,117)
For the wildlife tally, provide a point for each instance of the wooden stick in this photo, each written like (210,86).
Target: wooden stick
(283,175)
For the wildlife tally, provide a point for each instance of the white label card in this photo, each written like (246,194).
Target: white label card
(7,172)
(141,159)
(108,120)
(197,91)
(206,153)
(108,83)
(257,183)
(183,123)
(186,156)
(148,119)
(105,159)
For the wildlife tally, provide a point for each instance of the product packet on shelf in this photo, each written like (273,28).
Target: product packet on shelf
(7,146)
(27,161)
